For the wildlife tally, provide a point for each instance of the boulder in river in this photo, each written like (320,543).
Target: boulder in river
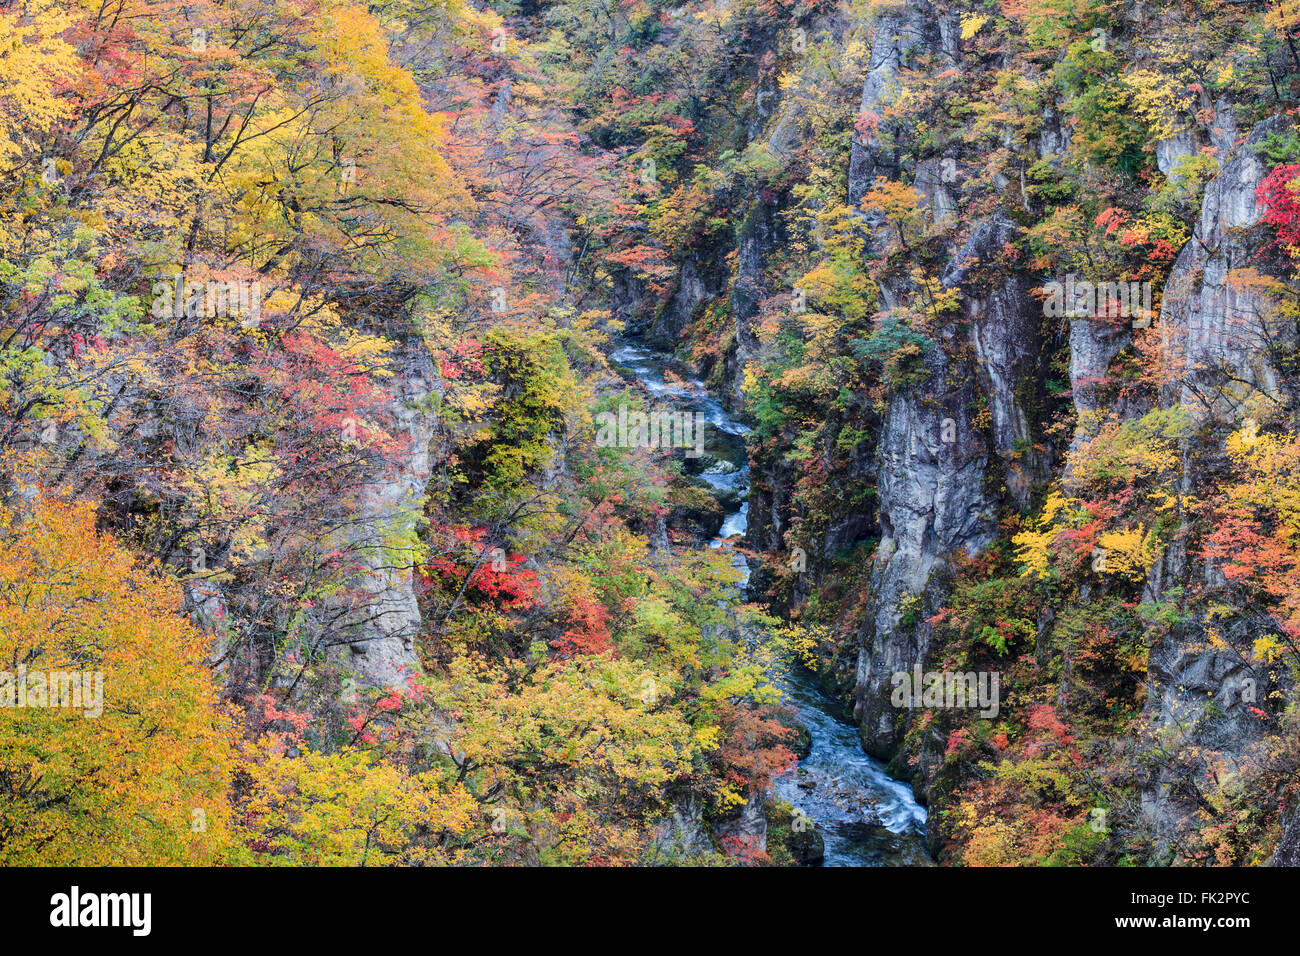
(792,838)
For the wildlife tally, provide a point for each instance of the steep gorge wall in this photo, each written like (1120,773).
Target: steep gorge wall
(1196,712)
(937,480)
(952,453)
(1198,706)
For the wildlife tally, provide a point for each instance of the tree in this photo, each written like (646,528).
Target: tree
(145,781)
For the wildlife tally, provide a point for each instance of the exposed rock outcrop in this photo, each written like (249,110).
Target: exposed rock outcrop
(760,233)
(1094,343)
(693,290)
(934,495)
(383,617)
(901,36)
(933,503)
(1201,692)
(684,834)
(1005,321)
(747,832)
(1218,327)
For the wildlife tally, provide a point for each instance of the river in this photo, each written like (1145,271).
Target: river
(865,816)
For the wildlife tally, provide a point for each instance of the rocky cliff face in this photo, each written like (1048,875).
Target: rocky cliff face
(1201,691)
(1218,325)
(759,234)
(932,464)
(900,36)
(935,497)
(382,617)
(1094,343)
(938,491)
(697,283)
(1005,334)
(937,487)
(989,156)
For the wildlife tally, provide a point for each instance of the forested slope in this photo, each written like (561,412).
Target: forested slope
(307,309)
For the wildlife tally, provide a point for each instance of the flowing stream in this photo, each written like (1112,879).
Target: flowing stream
(865,816)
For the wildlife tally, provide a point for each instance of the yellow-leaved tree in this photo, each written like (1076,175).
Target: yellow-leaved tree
(35,64)
(133,768)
